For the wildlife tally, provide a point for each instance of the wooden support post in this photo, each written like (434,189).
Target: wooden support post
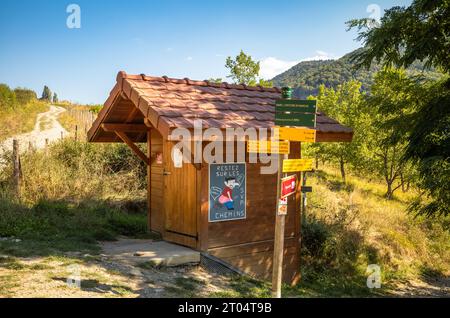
(149,180)
(30,146)
(16,165)
(133,147)
(278,249)
(76,133)
(62,135)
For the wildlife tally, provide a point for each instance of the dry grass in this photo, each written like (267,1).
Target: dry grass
(77,117)
(20,119)
(403,245)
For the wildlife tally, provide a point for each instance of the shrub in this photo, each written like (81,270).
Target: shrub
(24,95)
(7,97)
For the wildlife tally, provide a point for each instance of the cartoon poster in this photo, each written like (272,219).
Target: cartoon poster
(227,192)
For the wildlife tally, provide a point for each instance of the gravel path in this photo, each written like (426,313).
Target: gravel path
(46,127)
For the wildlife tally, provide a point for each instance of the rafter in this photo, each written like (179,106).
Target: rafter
(122,135)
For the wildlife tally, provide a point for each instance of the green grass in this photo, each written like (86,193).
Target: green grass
(48,227)
(73,195)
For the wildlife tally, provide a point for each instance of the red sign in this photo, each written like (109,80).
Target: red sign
(288,186)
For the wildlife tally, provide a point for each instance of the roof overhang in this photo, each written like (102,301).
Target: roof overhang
(129,106)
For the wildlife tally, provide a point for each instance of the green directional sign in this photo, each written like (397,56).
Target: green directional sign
(294,112)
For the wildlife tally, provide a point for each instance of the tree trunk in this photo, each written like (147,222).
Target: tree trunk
(402,181)
(342,164)
(389,193)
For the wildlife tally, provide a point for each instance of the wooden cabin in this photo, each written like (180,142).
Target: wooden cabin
(144,109)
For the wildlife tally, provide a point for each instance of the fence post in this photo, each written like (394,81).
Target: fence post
(16,164)
(62,135)
(76,133)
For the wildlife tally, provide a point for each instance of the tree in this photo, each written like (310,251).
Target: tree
(55,98)
(215,80)
(243,70)
(345,104)
(419,32)
(46,94)
(392,93)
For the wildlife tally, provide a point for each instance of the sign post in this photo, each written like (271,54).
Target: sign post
(280,218)
(277,271)
(301,115)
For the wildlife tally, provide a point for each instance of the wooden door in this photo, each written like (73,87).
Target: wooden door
(180,201)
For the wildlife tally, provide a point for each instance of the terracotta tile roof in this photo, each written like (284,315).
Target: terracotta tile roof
(170,103)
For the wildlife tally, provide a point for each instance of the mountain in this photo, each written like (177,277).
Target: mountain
(306,77)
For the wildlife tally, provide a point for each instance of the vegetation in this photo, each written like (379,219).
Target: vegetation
(18,110)
(46,94)
(73,194)
(24,96)
(349,226)
(244,70)
(345,105)
(307,77)
(418,32)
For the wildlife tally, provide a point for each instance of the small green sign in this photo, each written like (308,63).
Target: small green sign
(298,113)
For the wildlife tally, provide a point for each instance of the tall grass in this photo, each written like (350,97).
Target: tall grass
(75,193)
(349,226)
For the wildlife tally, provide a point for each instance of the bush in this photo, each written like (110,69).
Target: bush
(24,96)
(73,194)
(7,97)
(314,236)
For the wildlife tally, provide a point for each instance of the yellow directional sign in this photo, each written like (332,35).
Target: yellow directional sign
(279,147)
(297,134)
(295,165)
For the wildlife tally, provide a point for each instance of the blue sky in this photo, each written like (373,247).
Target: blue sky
(165,37)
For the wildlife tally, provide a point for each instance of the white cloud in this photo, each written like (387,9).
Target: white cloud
(321,56)
(189,58)
(271,66)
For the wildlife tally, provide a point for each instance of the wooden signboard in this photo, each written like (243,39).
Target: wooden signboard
(288,186)
(297,113)
(227,192)
(296,165)
(278,147)
(297,134)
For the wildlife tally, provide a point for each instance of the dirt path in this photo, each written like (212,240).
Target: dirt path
(46,127)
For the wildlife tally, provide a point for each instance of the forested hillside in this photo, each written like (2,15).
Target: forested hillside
(306,77)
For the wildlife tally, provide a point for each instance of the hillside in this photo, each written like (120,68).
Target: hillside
(306,77)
